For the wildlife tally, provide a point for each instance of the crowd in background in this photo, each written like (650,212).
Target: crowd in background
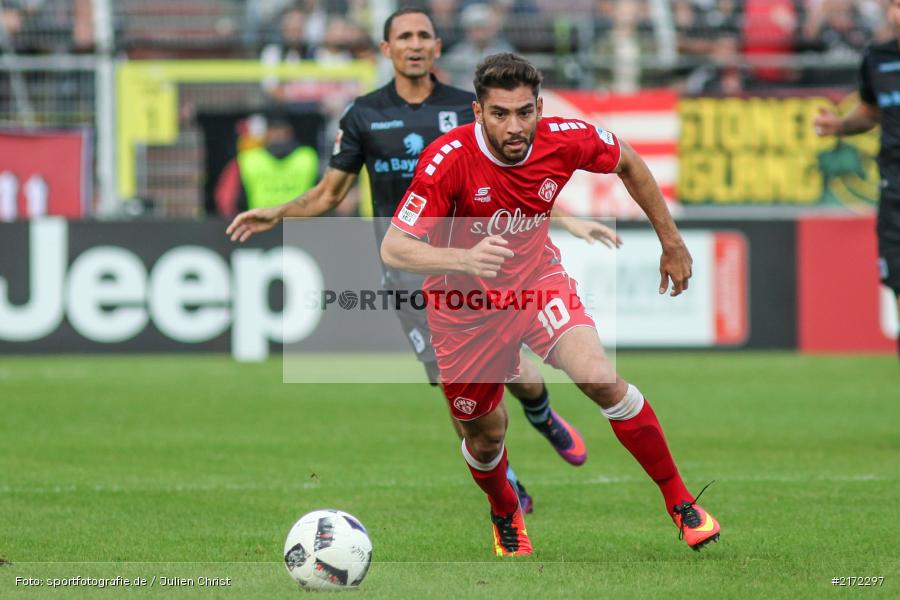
(770,34)
(713,45)
(46,26)
(693,46)
(721,45)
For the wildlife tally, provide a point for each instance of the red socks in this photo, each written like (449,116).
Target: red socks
(491,477)
(638,429)
(634,423)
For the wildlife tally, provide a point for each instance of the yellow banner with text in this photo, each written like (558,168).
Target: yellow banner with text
(762,151)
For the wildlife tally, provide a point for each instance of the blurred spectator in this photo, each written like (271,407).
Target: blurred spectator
(532,30)
(708,37)
(768,34)
(361,45)
(604,16)
(257,15)
(360,13)
(445,16)
(83,28)
(264,20)
(275,173)
(626,47)
(343,40)
(251,133)
(47,26)
(11,20)
(292,44)
(482,37)
(751,43)
(837,30)
(701,23)
(836,27)
(57,26)
(624,36)
(340,37)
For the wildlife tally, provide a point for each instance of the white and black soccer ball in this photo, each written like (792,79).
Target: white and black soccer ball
(328,549)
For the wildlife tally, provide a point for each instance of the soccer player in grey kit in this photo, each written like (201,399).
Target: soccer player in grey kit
(879,103)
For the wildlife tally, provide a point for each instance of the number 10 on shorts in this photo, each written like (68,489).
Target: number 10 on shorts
(554,316)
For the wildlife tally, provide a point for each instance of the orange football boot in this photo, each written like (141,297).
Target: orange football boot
(697,527)
(510,535)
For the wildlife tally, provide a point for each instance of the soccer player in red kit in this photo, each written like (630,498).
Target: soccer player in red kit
(476,219)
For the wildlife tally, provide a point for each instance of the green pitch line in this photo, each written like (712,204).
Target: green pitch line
(188,467)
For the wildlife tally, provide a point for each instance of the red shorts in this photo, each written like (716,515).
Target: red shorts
(475,361)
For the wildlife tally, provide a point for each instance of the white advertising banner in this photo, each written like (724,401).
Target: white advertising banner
(712,312)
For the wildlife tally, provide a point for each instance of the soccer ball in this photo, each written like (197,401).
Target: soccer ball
(328,549)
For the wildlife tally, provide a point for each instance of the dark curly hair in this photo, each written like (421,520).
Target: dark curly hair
(505,71)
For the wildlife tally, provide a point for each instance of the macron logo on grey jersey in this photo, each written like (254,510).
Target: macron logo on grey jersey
(381,125)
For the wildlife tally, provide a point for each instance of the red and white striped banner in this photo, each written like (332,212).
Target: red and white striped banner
(647,120)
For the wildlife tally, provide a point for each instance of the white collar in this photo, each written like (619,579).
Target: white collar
(482,145)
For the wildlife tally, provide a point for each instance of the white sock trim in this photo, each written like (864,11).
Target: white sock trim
(478,465)
(628,408)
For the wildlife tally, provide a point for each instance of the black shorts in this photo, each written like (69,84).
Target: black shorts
(414,322)
(888,229)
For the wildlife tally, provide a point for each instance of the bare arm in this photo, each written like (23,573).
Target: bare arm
(675,263)
(402,251)
(586,229)
(326,195)
(862,118)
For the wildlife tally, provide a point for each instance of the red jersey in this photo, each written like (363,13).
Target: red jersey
(461,193)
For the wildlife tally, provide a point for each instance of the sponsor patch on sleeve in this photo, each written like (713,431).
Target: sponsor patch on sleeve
(412,208)
(605,136)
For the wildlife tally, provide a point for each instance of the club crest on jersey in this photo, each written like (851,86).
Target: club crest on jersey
(464,405)
(483,194)
(412,208)
(447,120)
(548,190)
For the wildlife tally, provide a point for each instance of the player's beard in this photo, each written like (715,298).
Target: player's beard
(507,155)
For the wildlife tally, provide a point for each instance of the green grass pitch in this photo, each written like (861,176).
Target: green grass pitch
(183,466)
